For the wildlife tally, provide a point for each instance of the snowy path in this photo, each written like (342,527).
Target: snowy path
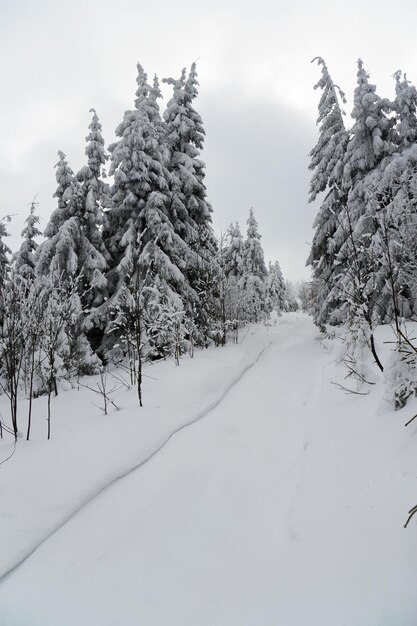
(267,512)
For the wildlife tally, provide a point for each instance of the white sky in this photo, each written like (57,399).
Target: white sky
(58,59)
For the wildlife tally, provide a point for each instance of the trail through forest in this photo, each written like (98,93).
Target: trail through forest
(284,505)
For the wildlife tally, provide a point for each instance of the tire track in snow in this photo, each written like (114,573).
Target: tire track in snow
(314,393)
(302,450)
(203,413)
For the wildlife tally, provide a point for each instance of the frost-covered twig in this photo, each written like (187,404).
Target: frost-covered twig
(353,372)
(358,393)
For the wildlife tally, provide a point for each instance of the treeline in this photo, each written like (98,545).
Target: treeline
(364,251)
(131,269)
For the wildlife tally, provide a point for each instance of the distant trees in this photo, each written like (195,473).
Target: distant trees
(253,281)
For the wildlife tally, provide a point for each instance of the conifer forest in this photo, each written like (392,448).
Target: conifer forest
(130,270)
(208,324)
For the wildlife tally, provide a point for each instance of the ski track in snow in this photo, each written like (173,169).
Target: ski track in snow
(269,512)
(136,466)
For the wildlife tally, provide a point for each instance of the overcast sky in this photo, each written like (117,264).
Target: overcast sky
(58,59)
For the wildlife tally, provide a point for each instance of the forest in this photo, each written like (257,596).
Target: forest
(130,269)
(364,254)
(186,436)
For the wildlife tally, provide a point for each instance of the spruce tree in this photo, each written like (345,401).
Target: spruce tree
(234,251)
(139,232)
(254,276)
(371,140)
(327,160)
(275,288)
(5,252)
(69,257)
(72,236)
(25,260)
(405,107)
(190,212)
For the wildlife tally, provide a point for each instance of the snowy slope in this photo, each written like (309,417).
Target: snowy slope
(44,483)
(285,505)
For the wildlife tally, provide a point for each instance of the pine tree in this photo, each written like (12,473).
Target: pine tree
(190,212)
(405,107)
(371,134)
(371,140)
(233,268)
(291,303)
(69,257)
(234,251)
(74,243)
(254,271)
(72,236)
(64,178)
(390,193)
(95,192)
(139,232)
(4,252)
(327,159)
(328,154)
(24,262)
(275,288)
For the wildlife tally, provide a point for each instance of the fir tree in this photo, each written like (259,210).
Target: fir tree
(327,160)
(25,260)
(64,179)
(69,257)
(234,251)
(233,269)
(328,154)
(140,236)
(70,248)
(405,106)
(254,271)
(275,288)
(371,134)
(371,140)
(190,212)
(4,252)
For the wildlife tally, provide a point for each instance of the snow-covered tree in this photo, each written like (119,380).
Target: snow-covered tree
(371,134)
(64,178)
(233,254)
(68,256)
(291,302)
(304,295)
(190,212)
(5,251)
(254,276)
(328,154)
(165,322)
(25,259)
(68,250)
(275,288)
(371,139)
(139,230)
(327,159)
(95,192)
(405,107)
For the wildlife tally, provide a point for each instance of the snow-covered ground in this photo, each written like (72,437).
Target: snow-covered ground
(284,505)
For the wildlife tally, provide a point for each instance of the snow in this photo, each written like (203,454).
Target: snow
(88,450)
(284,505)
